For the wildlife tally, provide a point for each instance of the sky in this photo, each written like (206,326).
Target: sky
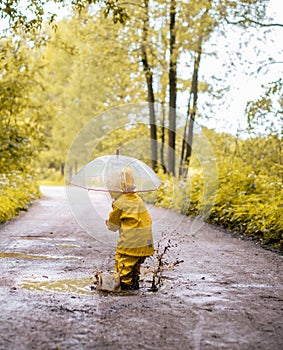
(245,80)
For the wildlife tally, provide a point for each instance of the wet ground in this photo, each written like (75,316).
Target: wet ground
(216,291)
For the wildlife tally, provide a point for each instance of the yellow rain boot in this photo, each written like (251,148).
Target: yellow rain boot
(129,267)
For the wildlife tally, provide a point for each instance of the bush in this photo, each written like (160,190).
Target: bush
(250,204)
(17,192)
(245,202)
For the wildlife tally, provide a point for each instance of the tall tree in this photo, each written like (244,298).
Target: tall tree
(204,26)
(172,89)
(149,82)
(191,114)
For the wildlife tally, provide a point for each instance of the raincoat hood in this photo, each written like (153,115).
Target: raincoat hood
(127,180)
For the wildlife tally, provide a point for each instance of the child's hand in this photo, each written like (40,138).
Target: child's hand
(106,222)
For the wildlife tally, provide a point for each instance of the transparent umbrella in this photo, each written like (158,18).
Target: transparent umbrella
(107,173)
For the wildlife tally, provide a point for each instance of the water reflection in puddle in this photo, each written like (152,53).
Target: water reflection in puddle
(31,256)
(77,286)
(43,238)
(67,246)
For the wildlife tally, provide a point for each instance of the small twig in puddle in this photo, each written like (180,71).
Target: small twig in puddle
(64,308)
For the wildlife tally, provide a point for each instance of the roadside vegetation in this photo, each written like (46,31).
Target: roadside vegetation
(249,196)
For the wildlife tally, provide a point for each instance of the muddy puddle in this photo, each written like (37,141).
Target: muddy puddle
(47,239)
(9,255)
(71,286)
(33,242)
(67,246)
(79,286)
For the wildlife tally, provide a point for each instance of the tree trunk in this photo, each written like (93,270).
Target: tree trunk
(162,161)
(195,99)
(62,169)
(183,150)
(172,90)
(191,113)
(150,92)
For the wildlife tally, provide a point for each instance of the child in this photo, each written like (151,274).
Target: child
(130,216)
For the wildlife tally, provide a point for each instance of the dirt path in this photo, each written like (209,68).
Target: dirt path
(226,294)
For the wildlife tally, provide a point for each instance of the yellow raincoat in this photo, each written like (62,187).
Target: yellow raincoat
(130,216)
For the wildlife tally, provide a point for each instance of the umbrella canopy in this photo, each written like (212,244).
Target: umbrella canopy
(117,173)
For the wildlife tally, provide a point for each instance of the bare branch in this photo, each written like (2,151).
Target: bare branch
(247,20)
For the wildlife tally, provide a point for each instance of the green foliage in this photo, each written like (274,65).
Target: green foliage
(23,118)
(250,204)
(29,14)
(17,192)
(23,126)
(249,197)
(265,114)
(83,75)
